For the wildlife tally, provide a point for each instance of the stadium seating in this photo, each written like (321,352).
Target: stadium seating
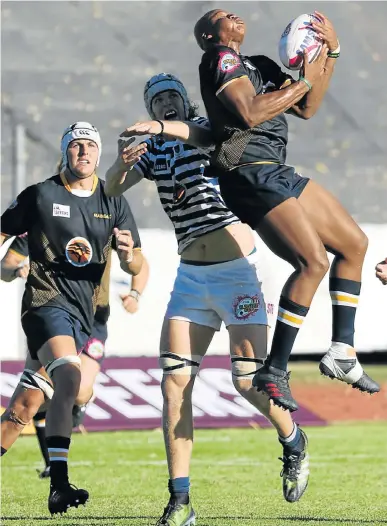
(68,61)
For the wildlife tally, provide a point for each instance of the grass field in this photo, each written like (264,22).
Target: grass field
(235,479)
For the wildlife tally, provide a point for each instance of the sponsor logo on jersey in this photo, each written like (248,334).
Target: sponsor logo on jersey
(60,210)
(102,216)
(228,62)
(249,65)
(160,165)
(246,306)
(179,193)
(79,251)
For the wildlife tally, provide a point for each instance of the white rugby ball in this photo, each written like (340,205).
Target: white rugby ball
(298,36)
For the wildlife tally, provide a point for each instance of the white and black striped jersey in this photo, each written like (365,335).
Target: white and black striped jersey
(191,199)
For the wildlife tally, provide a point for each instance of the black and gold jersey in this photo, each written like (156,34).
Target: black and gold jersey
(236,145)
(19,247)
(69,243)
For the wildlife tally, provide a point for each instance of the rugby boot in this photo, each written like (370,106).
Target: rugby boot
(295,471)
(177,514)
(336,364)
(65,497)
(275,383)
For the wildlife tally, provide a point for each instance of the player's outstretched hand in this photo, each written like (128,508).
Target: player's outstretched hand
(129,155)
(143,128)
(381,271)
(124,245)
(312,71)
(326,31)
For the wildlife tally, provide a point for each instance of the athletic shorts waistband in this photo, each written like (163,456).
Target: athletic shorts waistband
(251,258)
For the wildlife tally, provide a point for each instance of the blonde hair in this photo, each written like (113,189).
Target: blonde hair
(58,168)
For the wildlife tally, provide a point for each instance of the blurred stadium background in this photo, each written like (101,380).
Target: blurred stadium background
(87,60)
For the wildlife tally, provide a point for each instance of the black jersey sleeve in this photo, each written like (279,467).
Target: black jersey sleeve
(270,71)
(21,214)
(125,220)
(223,66)
(20,245)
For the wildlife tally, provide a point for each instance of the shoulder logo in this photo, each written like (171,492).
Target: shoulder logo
(228,62)
(79,251)
(60,210)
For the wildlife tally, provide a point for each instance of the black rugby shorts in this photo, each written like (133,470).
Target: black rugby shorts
(42,323)
(251,191)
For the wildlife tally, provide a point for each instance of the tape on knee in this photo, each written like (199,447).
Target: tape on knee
(62,361)
(172,363)
(245,367)
(33,380)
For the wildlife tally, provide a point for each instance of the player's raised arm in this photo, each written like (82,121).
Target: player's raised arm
(308,106)
(128,241)
(188,131)
(122,175)
(223,72)
(240,98)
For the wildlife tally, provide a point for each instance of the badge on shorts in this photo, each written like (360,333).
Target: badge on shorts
(95,348)
(246,306)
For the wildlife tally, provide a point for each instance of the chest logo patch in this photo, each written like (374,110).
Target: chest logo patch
(228,62)
(60,210)
(79,251)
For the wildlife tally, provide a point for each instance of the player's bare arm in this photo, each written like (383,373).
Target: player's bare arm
(308,106)
(239,95)
(14,266)
(188,132)
(131,300)
(121,176)
(131,258)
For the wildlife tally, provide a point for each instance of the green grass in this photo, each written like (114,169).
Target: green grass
(308,373)
(235,479)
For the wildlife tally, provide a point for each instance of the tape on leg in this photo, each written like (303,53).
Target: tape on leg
(62,361)
(172,363)
(33,380)
(242,367)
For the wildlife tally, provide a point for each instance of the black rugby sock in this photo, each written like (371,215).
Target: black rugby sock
(289,321)
(345,298)
(40,428)
(58,449)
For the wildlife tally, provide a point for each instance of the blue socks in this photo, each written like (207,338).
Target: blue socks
(179,489)
(294,441)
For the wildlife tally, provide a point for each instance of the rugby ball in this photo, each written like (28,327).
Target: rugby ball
(298,36)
